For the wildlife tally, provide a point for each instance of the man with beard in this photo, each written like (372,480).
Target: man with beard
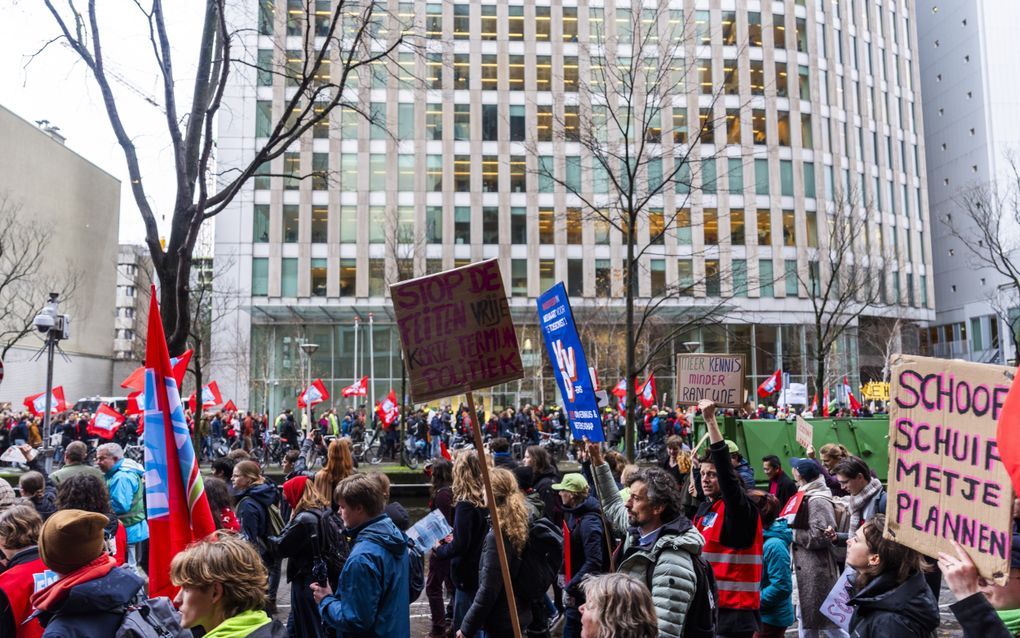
(661,544)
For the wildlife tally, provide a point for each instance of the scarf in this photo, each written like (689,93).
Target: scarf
(1010,618)
(50,597)
(816,487)
(860,501)
(240,625)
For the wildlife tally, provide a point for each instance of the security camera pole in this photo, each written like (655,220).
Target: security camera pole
(55,327)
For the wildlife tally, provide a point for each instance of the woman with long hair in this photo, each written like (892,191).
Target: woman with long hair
(464,547)
(339,465)
(489,611)
(617,605)
(890,596)
(439,568)
(221,504)
(88,493)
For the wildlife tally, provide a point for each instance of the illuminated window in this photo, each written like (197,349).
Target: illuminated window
(649,29)
(705,75)
(348,277)
(711,226)
(543,23)
(490,28)
(490,72)
(292,171)
(461,71)
(434,70)
(679,125)
(295,16)
(779,30)
(624,27)
(783,127)
(570,24)
(292,67)
(683,227)
(516,72)
(754,28)
(515,25)
(461,21)
(434,21)
(656,226)
(462,122)
(733,126)
(570,122)
(729,28)
(737,227)
(433,121)
(318,277)
(702,28)
(764,228)
(758,126)
(544,124)
(706,119)
(789,228)
(490,174)
(461,173)
(731,78)
(434,173)
(543,72)
(518,174)
(782,89)
(570,73)
(574,225)
(757,78)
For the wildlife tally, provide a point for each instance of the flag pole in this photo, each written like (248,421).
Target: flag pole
(504,565)
(371,363)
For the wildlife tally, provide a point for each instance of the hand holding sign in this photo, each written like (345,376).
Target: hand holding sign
(960,572)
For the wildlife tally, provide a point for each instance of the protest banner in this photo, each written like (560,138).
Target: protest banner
(456,331)
(718,377)
(805,432)
(946,480)
(569,364)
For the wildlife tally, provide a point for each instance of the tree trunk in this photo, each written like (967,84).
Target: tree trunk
(174,301)
(629,430)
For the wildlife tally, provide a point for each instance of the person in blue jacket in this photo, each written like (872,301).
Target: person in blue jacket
(777,575)
(374,593)
(127,497)
(589,552)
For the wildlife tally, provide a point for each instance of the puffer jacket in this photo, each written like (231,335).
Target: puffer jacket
(883,609)
(776,576)
(589,553)
(673,577)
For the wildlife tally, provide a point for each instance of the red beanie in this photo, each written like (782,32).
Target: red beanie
(293,489)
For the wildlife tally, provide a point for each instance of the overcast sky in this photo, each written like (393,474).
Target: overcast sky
(59,88)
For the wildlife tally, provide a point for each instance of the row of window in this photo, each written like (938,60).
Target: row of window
(788,281)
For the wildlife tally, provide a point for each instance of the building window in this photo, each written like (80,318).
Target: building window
(462,225)
(804,83)
(290,223)
(462,173)
(434,224)
(708,175)
(490,27)
(518,174)
(518,126)
(319,277)
(711,226)
(754,35)
(490,122)
(518,225)
(657,274)
(377,226)
(348,270)
(266,10)
(757,78)
(786,177)
(376,277)
(490,225)
(320,224)
(759,132)
(735,174)
(683,227)
(289,277)
(740,277)
(685,278)
(433,121)
(789,228)
(515,25)
(656,226)
(679,125)
(462,122)
(519,277)
(783,127)
(764,228)
(434,173)
(782,88)
(761,176)
(490,174)
(712,284)
(602,230)
(603,278)
(546,226)
(812,229)
(546,274)
(575,277)
(461,21)
(779,30)
(574,225)
(737,227)
(791,277)
(259,277)
(766,279)
(260,224)
(348,224)
(461,71)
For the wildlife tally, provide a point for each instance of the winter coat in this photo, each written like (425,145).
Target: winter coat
(746,473)
(785,488)
(122,481)
(588,551)
(776,576)
(469,528)
(489,610)
(253,512)
(978,618)
(373,597)
(553,505)
(813,558)
(883,609)
(93,608)
(295,543)
(673,577)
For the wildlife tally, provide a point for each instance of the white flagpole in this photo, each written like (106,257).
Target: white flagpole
(356,322)
(371,363)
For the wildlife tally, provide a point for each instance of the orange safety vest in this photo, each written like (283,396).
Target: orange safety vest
(737,571)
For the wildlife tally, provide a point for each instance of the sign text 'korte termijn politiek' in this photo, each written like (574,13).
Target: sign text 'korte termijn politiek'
(569,363)
(946,480)
(456,331)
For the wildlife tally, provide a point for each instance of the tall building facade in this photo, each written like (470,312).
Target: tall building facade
(134,276)
(968,77)
(800,102)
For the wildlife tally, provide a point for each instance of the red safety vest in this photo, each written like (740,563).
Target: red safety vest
(18,584)
(737,571)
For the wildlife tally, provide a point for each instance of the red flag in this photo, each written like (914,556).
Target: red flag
(825,402)
(647,392)
(387,409)
(175,500)
(136,403)
(356,389)
(814,404)
(136,380)
(230,407)
(1007,435)
(567,571)
(36,403)
(313,395)
(211,395)
(192,405)
(445,451)
(771,385)
(105,422)
(854,403)
(621,388)
(789,511)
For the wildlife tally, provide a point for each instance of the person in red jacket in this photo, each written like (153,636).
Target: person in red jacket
(23,571)
(731,524)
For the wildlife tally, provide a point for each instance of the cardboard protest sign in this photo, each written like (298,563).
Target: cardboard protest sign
(837,604)
(805,432)
(946,480)
(456,331)
(718,377)
(569,364)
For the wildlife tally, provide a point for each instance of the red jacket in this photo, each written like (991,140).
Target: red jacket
(17,585)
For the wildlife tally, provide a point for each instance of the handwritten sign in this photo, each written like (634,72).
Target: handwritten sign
(837,604)
(456,331)
(805,432)
(718,377)
(946,480)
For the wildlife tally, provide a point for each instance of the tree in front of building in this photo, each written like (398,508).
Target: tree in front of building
(328,46)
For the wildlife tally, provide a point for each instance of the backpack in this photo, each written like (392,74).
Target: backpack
(154,618)
(415,570)
(703,610)
(332,542)
(274,526)
(540,561)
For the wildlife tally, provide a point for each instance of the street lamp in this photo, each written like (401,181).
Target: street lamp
(691,346)
(309,349)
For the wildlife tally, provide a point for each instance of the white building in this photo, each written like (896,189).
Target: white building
(968,62)
(134,276)
(816,95)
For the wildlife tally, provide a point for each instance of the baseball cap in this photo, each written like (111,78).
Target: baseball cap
(809,469)
(572,482)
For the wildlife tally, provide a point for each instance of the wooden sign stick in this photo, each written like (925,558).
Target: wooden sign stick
(504,565)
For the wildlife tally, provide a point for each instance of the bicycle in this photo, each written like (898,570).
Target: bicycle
(366,450)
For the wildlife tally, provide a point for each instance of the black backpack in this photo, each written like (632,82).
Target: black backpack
(540,561)
(153,618)
(703,610)
(332,542)
(415,570)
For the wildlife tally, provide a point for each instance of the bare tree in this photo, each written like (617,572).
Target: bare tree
(335,44)
(843,278)
(635,159)
(988,226)
(23,284)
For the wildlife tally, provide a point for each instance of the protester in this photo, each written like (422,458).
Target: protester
(223,589)
(90,594)
(776,576)
(661,542)
(890,596)
(339,465)
(617,605)
(813,559)
(221,504)
(38,492)
(589,547)
(88,493)
(780,485)
(867,496)
(7,495)
(223,468)
(127,496)
(731,525)
(76,456)
(464,549)
(831,454)
(397,512)
(19,535)
(439,568)
(373,594)
(302,544)
(490,611)
(501,457)
(256,501)
(984,609)
(545,473)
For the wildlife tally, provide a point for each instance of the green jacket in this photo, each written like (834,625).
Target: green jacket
(673,580)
